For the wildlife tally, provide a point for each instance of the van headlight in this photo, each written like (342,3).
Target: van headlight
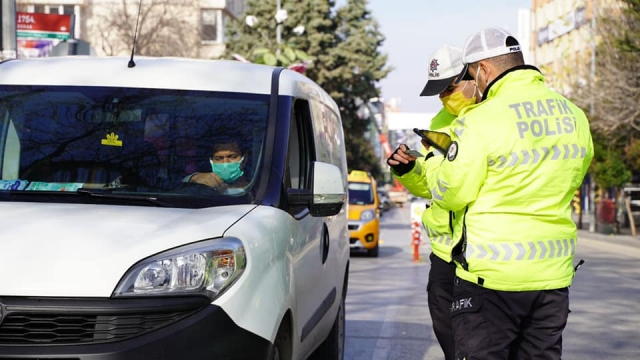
(367,215)
(206,267)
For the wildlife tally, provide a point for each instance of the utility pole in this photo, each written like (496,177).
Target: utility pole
(8,40)
(592,188)
(279,26)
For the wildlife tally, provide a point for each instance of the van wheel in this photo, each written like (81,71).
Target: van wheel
(332,348)
(281,348)
(373,252)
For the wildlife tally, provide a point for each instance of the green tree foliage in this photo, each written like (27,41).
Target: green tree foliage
(258,42)
(344,47)
(629,40)
(608,165)
(359,65)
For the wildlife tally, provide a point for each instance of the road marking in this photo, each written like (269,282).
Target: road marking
(382,349)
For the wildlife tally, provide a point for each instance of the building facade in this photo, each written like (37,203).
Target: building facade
(563,40)
(193,28)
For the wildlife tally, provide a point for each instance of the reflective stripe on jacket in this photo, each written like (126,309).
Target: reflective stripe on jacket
(516,161)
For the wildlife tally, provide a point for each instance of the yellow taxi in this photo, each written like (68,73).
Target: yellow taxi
(364,213)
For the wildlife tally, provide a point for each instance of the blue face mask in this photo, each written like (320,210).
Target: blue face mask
(228,172)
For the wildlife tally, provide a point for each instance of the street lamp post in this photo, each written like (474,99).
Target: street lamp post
(592,207)
(8,45)
(279,26)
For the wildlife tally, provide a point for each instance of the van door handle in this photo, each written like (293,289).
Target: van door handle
(325,243)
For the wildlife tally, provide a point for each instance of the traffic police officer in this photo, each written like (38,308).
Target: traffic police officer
(515,162)
(444,67)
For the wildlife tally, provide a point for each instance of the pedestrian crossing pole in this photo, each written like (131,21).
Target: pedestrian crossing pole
(416,230)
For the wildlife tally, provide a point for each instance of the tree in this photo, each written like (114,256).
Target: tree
(165,28)
(615,94)
(608,165)
(255,38)
(344,47)
(359,66)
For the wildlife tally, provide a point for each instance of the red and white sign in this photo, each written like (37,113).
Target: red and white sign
(37,33)
(49,26)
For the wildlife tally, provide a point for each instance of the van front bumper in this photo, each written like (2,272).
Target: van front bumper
(101,329)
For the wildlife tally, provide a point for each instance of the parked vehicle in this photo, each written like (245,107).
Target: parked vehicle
(108,252)
(364,213)
(385,201)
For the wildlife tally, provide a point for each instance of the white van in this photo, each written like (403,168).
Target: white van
(110,249)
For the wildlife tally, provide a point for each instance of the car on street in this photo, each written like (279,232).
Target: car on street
(385,202)
(110,251)
(364,213)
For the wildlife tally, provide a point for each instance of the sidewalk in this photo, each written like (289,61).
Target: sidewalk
(623,237)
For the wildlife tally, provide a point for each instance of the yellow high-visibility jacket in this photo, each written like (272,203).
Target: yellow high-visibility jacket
(516,160)
(439,223)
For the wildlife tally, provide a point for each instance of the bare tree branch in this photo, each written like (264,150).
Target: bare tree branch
(166,28)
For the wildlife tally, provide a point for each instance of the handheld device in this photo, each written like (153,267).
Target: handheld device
(438,140)
(415,153)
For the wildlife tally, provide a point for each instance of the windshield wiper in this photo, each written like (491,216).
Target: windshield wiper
(108,194)
(101,194)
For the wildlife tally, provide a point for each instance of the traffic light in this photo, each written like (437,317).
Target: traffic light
(577,201)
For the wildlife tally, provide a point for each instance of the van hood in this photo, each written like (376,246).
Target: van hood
(84,250)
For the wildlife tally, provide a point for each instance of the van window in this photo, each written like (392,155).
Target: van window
(327,128)
(138,142)
(301,152)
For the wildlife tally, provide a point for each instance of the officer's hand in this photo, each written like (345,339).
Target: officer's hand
(210,179)
(400,156)
(400,161)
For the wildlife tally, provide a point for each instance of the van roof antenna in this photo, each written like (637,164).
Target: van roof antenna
(135,36)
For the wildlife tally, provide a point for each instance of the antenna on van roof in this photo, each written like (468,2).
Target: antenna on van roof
(135,37)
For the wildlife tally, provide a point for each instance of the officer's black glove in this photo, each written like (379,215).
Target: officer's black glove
(401,168)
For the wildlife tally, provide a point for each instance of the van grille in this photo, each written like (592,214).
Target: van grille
(78,329)
(86,322)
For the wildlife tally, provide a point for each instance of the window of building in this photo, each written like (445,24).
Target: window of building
(51,9)
(209,25)
(235,7)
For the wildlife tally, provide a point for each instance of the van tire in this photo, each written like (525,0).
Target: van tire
(281,348)
(373,252)
(332,348)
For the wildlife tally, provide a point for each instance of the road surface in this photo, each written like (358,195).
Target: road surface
(387,314)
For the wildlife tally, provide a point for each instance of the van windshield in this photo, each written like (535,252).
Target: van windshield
(130,143)
(360,193)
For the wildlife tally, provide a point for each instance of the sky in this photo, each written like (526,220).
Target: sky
(414,29)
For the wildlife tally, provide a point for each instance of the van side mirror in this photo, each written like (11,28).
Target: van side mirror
(329,191)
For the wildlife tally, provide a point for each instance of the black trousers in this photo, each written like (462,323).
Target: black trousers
(490,324)
(439,297)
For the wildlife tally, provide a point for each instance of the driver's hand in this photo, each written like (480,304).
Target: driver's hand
(210,179)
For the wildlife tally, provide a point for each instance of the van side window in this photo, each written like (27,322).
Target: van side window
(301,151)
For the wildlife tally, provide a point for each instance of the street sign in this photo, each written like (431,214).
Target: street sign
(43,26)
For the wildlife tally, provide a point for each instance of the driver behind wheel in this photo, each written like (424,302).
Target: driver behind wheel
(227,168)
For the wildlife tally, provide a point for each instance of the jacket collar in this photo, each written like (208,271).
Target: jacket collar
(488,91)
